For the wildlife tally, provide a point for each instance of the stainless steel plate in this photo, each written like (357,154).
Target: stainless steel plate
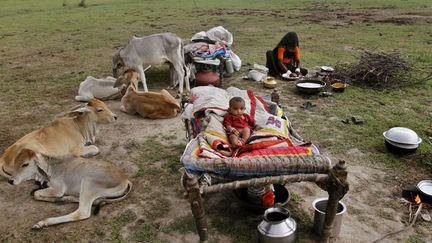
(290,78)
(327,69)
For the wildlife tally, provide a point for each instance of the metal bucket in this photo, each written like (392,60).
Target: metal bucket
(320,206)
(277,226)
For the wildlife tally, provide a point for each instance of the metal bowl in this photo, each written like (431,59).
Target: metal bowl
(310,86)
(402,135)
(339,87)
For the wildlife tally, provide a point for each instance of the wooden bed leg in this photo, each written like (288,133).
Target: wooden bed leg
(194,196)
(337,188)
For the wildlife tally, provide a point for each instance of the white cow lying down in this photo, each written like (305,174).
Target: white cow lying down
(102,89)
(72,180)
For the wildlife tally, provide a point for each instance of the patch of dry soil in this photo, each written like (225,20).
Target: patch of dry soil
(373,210)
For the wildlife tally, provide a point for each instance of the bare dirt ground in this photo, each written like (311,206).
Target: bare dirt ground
(156,202)
(149,151)
(337,16)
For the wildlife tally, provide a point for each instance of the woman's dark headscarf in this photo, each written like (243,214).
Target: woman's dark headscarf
(289,41)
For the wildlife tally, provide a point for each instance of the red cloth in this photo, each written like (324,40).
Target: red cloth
(287,57)
(238,122)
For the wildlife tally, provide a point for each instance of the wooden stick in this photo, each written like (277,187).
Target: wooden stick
(264,181)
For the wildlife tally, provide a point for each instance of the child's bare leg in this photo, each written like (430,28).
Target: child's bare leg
(245,134)
(235,140)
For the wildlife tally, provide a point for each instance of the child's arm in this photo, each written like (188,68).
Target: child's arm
(228,126)
(253,124)
(257,127)
(232,130)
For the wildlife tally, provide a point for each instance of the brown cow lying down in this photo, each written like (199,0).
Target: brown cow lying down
(73,134)
(73,180)
(148,104)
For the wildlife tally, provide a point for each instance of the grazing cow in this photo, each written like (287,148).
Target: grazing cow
(153,49)
(148,104)
(73,180)
(73,134)
(101,89)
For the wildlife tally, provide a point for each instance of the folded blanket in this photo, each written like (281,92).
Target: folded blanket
(216,136)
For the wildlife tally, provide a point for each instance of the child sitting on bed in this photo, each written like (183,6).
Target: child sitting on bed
(237,123)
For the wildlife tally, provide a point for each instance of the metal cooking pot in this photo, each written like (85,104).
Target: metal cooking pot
(310,86)
(425,188)
(249,201)
(277,226)
(205,78)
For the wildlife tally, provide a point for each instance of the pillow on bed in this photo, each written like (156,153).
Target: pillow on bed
(209,99)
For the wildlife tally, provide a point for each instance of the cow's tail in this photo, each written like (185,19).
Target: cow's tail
(188,66)
(102,201)
(182,55)
(121,197)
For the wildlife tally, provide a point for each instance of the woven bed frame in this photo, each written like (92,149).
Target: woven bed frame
(334,181)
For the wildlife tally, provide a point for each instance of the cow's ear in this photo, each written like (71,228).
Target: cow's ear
(120,81)
(42,165)
(129,75)
(93,102)
(24,155)
(28,153)
(79,112)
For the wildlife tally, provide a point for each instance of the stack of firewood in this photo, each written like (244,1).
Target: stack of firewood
(381,70)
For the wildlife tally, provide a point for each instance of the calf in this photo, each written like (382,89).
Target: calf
(100,89)
(153,49)
(73,134)
(147,104)
(77,180)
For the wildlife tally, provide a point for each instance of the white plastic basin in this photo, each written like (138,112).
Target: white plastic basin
(402,135)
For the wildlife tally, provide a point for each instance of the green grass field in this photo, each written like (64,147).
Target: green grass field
(48,47)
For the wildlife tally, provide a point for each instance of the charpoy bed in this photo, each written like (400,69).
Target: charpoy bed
(275,154)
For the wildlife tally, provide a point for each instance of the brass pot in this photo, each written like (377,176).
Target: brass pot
(270,83)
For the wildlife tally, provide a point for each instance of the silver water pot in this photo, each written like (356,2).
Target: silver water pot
(229,65)
(277,226)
